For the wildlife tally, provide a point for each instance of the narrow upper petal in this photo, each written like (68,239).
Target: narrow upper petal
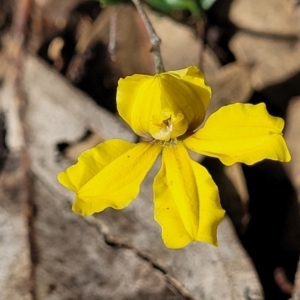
(186,200)
(165,105)
(109,175)
(241,133)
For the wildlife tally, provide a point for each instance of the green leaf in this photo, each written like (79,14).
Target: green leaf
(206,4)
(168,6)
(112,2)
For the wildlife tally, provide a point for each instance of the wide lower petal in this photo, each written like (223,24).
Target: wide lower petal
(241,133)
(109,175)
(186,200)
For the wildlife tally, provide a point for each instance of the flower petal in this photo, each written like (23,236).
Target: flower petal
(147,102)
(241,133)
(109,175)
(137,100)
(186,200)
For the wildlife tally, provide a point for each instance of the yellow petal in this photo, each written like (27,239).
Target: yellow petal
(109,175)
(186,200)
(165,105)
(241,133)
(133,98)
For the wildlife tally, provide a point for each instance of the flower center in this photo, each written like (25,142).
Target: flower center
(166,130)
(167,126)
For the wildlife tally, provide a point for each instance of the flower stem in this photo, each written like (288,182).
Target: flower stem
(154,38)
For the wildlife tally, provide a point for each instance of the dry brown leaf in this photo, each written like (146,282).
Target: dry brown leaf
(269,16)
(229,84)
(236,176)
(76,149)
(296,292)
(57,11)
(271,60)
(133,47)
(211,63)
(183,48)
(292,136)
(121,28)
(179,47)
(16,265)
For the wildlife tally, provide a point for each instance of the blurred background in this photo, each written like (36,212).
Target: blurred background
(60,62)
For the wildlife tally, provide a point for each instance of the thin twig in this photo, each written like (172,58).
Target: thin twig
(14,105)
(113,35)
(154,39)
(14,97)
(85,43)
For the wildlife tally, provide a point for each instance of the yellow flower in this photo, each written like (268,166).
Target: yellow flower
(168,109)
